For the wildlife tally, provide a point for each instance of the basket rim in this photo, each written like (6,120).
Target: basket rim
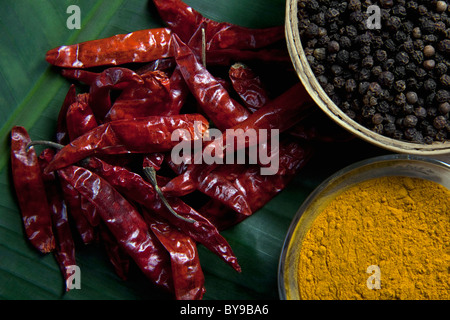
(324,102)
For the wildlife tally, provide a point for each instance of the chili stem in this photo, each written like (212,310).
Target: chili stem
(150,174)
(49,144)
(204,47)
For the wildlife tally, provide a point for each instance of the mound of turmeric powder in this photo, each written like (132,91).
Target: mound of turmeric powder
(398,225)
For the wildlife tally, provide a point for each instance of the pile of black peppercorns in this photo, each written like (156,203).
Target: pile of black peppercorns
(394,80)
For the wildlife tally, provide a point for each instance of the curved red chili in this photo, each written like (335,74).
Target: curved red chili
(115,78)
(150,98)
(125,223)
(64,243)
(212,97)
(139,46)
(134,187)
(248,86)
(30,191)
(184,21)
(188,276)
(143,135)
(61,124)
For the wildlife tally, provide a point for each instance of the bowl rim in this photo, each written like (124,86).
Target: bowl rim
(316,191)
(324,102)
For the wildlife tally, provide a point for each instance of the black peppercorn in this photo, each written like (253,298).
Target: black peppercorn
(400,85)
(429,85)
(441,68)
(342,57)
(355,56)
(386,3)
(444,46)
(389,129)
(429,64)
(386,79)
(402,58)
(323,80)
(443,96)
(380,55)
(408,46)
(417,56)
(351,31)
(368,111)
(399,72)
(320,53)
(420,73)
(333,46)
(420,112)
(312,30)
(354,5)
(400,37)
(400,99)
(345,42)
(376,71)
(377,118)
(365,50)
(390,45)
(367,62)
(444,108)
(332,14)
(338,82)
(412,97)
(363,86)
(383,107)
(350,85)
(394,23)
(440,122)
(410,121)
(388,64)
(445,80)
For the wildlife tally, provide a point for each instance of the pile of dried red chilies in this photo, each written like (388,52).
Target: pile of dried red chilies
(146,85)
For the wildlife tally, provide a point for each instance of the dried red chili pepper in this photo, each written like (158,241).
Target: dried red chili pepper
(163,64)
(144,135)
(248,86)
(61,124)
(280,113)
(134,187)
(114,78)
(154,160)
(184,21)
(125,223)
(81,218)
(80,118)
(150,98)
(117,255)
(188,276)
(30,192)
(178,92)
(64,243)
(212,97)
(139,46)
(84,76)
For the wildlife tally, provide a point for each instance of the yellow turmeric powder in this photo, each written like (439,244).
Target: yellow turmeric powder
(395,228)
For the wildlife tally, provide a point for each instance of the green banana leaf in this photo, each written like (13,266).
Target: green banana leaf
(31,93)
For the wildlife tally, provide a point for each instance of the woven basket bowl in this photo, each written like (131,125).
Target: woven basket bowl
(313,87)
